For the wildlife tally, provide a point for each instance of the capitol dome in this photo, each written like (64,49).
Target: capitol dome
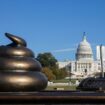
(84,50)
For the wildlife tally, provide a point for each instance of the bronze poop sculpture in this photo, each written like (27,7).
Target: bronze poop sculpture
(19,71)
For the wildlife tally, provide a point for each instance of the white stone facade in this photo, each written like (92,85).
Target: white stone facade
(84,65)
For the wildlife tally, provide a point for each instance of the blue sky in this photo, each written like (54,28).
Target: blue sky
(55,26)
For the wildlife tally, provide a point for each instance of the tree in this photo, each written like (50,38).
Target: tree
(50,67)
(60,73)
(47,60)
(49,74)
(63,73)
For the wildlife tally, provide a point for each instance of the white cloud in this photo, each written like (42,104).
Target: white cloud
(64,50)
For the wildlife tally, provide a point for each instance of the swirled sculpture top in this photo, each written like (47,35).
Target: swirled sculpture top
(19,71)
(16,41)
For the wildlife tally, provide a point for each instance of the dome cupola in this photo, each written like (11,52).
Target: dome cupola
(84,50)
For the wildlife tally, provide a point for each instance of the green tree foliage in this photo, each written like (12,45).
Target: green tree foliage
(47,60)
(63,72)
(60,73)
(50,67)
(49,74)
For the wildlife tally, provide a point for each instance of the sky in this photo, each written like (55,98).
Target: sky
(54,26)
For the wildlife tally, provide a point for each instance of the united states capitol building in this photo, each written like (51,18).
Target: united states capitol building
(84,64)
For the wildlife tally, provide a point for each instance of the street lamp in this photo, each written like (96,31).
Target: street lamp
(101,58)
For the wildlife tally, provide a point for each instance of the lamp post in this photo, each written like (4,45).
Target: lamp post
(101,58)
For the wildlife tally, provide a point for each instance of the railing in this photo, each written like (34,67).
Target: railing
(53,97)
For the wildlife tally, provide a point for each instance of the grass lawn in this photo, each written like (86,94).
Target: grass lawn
(64,81)
(65,87)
